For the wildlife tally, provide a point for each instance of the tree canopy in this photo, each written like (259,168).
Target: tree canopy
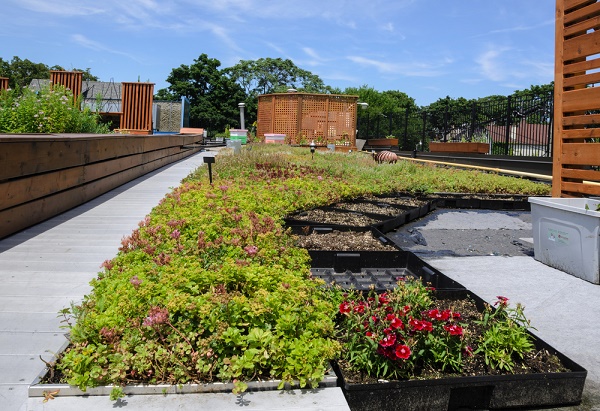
(21,72)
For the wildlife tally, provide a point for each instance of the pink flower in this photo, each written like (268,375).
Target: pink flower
(156,316)
(175,234)
(403,351)
(251,250)
(135,281)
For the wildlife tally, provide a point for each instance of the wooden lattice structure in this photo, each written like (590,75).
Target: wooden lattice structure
(136,106)
(577,99)
(304,117)
(69,79)
(3,83)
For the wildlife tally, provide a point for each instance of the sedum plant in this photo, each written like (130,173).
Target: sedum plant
(211,287)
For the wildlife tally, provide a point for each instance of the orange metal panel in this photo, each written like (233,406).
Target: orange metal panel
(70,79)
(3,83)
(137,106)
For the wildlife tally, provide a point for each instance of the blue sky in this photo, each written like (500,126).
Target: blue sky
(428,49)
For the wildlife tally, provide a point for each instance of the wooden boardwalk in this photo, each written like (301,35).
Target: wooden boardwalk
(46,267)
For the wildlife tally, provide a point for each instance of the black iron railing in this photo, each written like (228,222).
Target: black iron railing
(513,125)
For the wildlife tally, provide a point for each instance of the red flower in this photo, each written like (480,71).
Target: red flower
(345,307)
(420,325)
(403,351)
(369,334)
(390,317)
(383,299)
(397,323)
(438,315)
(388,340)
(360,308)
(454,329)
(503,301)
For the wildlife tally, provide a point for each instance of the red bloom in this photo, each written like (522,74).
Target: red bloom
(359,308)
(454,329)
(345,307)
(397,323)
(383,299)
(438,315)
(403,351)
(369,334)
(420,325)
(390,317)
(388,340)
(503,301)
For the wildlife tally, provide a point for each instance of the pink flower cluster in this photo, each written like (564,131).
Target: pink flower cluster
(156,316)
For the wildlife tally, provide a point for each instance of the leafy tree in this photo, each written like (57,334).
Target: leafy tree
(272,75)
(213,96)
(21,72)
(165,95)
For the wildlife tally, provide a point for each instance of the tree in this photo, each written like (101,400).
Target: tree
(272,75)
(213,96)
(20,73)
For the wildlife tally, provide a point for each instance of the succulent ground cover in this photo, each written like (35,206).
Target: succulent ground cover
(211,287)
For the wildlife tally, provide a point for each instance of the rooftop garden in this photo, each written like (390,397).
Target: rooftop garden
(212,287)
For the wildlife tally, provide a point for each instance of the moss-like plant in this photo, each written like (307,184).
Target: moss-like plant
(210,286)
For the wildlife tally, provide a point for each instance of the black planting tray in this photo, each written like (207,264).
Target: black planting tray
(380,270)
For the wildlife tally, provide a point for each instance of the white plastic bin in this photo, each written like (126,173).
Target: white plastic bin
(565,235)
(275,138)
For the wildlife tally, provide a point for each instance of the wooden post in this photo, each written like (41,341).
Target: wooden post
(136,107)
(69,79)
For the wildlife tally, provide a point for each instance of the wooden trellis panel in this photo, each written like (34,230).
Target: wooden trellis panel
(320,117)
(70,79)
(576,163)
(3,83)
(136,106)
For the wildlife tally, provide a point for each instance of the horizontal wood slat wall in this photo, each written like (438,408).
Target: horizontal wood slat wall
(577,99)
(136,106)
(70,79)
(42,176)
(321,117)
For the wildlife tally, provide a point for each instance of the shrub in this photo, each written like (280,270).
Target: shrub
(49,110)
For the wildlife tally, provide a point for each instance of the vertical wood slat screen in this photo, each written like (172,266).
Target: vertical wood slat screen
(70,79)
(136,106)
(576,165)
(3,83)
(328,117)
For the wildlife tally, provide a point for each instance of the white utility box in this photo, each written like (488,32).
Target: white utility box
(566,235)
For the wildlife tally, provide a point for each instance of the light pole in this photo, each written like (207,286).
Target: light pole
(312,146)
(242,122)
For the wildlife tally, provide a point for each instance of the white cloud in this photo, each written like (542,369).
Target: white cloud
(404,69)
(96,46)
(65,8)
(490,64)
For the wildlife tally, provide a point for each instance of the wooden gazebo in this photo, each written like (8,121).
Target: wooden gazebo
(304,117)
(576,99)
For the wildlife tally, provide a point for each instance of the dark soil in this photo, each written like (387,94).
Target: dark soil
(343,241)
(334,217)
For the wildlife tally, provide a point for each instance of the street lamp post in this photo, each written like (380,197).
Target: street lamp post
(242,122)
(312,146)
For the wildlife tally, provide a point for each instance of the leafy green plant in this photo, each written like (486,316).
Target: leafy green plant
(211,287)
(505,336)
(50,110)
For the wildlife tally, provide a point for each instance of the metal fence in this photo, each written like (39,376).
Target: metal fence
(513,125)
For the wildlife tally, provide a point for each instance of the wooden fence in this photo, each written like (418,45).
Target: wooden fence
(44,175)
(576,99)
